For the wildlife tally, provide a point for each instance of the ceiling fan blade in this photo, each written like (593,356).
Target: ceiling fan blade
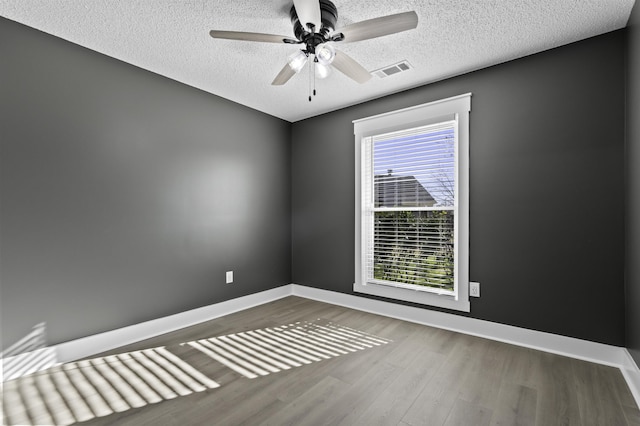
(283,76)
(349,67)
(378,27)
(308,12)
(244,36)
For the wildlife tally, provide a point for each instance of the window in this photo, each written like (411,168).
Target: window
(412,220)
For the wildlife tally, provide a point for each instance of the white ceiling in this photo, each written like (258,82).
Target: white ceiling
(171,38)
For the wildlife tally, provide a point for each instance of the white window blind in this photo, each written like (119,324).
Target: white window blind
(409,200)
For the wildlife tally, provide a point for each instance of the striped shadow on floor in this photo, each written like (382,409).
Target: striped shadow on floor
(270,350)
(83,390)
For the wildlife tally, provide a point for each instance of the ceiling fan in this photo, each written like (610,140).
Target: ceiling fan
(314,28)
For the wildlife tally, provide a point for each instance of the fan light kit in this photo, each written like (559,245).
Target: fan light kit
(298,60)
(318,36)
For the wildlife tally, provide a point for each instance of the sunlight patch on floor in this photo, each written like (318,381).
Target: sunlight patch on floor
(79,391)
(82,390)
(264,351)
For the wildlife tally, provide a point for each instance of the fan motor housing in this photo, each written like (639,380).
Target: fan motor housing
(329,17)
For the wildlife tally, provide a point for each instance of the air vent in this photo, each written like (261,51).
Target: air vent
(392,69)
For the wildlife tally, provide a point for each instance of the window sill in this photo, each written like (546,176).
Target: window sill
(415,296)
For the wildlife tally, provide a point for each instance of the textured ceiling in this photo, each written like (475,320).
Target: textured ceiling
(171,38)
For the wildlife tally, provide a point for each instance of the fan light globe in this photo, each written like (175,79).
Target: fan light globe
(297,61)
(325,53)
(322,70)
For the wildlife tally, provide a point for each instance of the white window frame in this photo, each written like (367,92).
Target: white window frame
(456,108)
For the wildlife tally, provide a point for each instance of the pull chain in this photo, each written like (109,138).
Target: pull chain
(310,72)
(315,60)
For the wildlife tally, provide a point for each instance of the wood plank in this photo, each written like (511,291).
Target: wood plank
(597,400)
(359,397)
(465,413)
(391,405)
(632,415)
(521,366)
(483,381)
(557,400)
(516,406)
(435,402)
(312,405)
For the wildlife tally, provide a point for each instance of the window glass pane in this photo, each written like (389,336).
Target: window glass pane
(415,169)
(414,247)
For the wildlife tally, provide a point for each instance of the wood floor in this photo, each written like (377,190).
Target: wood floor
(389,372)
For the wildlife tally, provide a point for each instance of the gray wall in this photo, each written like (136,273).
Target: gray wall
(633,184)
(547,189)
(125,195)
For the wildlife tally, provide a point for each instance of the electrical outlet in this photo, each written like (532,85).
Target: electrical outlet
(229,277)
(474,289)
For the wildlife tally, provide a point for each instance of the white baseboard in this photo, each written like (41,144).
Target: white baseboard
(97,343)
(575,348)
